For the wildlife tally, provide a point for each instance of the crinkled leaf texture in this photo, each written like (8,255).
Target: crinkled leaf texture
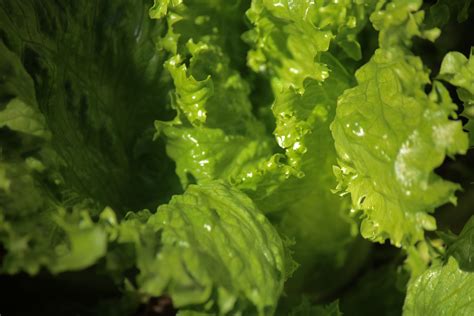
(459,71)
(215,134)
(215,251)
(307,202)
(288,37)
(446,287)
(441,290)
(390,135)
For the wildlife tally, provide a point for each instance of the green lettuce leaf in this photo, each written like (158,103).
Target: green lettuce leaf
(444,288)
(459,71)
(211,250)
(109,107)
(294,186)
(301,117)
(289,36)
(441,290)
(390,135)
(398,21)
(214,22)
(74,135)
(215,134)
(303,203)
(461,247)
(34,228)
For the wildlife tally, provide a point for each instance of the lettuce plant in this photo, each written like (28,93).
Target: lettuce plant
(246,157)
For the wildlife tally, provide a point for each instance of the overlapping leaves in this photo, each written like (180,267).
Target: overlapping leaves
(390,135)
